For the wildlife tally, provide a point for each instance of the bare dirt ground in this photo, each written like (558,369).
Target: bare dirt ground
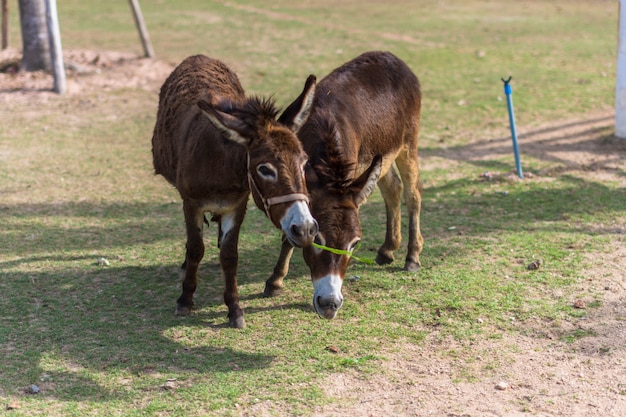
(86,71)
(530,372)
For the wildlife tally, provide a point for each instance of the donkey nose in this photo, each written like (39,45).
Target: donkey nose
(305,231)
(329,305)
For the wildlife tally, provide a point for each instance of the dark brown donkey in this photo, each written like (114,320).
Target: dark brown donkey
(364,110)
(216,146)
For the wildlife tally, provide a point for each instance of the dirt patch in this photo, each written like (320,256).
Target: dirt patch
(86,72)
(538,371)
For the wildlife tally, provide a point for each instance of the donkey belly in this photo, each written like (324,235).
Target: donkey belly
(221,205)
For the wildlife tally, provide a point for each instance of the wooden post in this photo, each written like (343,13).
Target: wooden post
(620,84)
(141,27)
(5,24)
(56,53)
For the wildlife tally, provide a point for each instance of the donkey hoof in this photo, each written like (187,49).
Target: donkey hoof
(411,266)
(272,290)
(183,310)
(382,259)
(237,322)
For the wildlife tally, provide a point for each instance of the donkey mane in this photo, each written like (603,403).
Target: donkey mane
(252,111)
(332,166)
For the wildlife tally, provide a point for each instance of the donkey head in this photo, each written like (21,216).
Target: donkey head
(335,199)
(276,159)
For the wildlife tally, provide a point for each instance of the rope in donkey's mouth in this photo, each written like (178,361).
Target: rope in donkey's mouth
(344,252)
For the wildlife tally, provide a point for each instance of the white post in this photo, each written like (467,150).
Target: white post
(54,33)
(620,84)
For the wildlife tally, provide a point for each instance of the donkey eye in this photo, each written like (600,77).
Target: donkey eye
(267,171)
(354,245)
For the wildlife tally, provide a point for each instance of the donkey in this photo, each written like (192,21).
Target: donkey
(216,147)
(365,118)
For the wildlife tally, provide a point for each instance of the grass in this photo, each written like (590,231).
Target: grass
(76,184)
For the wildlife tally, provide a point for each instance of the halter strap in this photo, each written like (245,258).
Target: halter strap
(285,199)
(272,201)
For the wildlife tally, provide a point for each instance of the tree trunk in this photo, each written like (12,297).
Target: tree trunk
(36,44)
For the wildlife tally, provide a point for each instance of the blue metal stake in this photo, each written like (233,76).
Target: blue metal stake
(509,102)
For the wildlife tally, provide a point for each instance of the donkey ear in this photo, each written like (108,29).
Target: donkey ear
(366,183)
(231,127)
(298,112)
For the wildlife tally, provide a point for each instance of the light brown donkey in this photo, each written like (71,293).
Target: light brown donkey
(216,146)
(365,117)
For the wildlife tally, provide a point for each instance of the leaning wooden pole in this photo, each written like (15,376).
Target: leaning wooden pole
(56,52)
(5,24)
(141,27)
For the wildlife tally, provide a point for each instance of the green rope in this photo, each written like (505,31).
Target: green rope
(344,252)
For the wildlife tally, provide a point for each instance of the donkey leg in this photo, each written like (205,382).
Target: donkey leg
(229,226)
(184,265)
(409,171)
(391,190)
(195,251)
(274,284)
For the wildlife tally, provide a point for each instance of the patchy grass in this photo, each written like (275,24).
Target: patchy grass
(76,185)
